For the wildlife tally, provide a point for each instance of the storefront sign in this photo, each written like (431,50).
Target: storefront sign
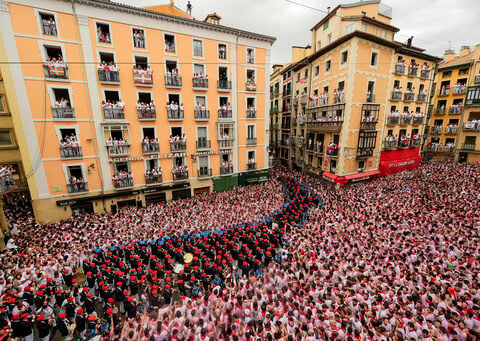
(126,159)
(212,152)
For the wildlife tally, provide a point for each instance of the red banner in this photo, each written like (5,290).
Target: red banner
(394,161)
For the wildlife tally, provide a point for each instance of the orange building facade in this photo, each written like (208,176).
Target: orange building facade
(125,106)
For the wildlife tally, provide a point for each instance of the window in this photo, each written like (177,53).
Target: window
(222,51)
(250,56)
(199,69)
(317,70)
(325,25)
(344,57)
(306,73)
(361,166)
(170,43)
(298,77)
(5,138)
(446,74)
(197,48)
(473,96)
(350,28)
(47,21)
(328,65)
(384,34)
(364,28)
(463,71)
(2,108)
(138,36)
(250,131)
(373,59)
(333,166)
(103,33)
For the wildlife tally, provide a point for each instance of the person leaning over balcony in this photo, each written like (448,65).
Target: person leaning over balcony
(169,77)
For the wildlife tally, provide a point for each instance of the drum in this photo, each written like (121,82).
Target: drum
(187,258)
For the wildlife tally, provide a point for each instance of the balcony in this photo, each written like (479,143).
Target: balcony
(368,124)
(178,146)
(251,113)
(113,113)
(274,126)
(287,108)
(276,92)
(405,119)
(364,152)
(418,119)
(390,144)
(201,115)
(444,91)
(200,83)
(142,78)
(226,169)
(180,175)
(225,144)
(153,179)
(203,143)
(393,120)
(173,81)
(225,114)
(477,79)
(251,141)
(77,187)
(69,152)
(422,97)
(204,172)
(437,130)
(116,150)
(396,96)
(404,142)
(425,74)
(327,125)
(399,69)
(471,126)
(175,114)
(56,71)
(332,151)
(459,89)
(122,181)
(455,109)
(224,85)
(251,165)
(415,142)
(147,114)
(413,70)
(63,113)
(150,147)
(409,96)
(452,130)
(303,99)
(468,146)
(250,86)
(439,111)
(108,77)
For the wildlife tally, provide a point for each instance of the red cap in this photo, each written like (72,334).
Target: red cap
(58,291)
(40,317)
(85,289)
(62,316)
(74,280)
(70,299)
(110,300)
(24,315)
(89,294)
(42,286)
(133,278)
(109,311)
(80,311)
(92,318)
(130,299)
(40,293)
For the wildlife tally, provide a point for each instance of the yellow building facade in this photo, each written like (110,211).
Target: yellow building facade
(360,98)
(120,105)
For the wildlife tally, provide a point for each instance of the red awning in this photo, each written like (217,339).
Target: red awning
(333,178)
(362,176)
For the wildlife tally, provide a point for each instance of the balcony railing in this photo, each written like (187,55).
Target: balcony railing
(175,114)
(201,115)
(413,70)
(203,143)
(455,109)
(444,91)
(459,90)
(251,113)
(63,112)
(440,111)
(147,114)
(226,170)
(119,149)
(142,78)
(77,187)
(327,125)
(468,146)
(425,74)
(364,151)
(250,86)
(391,144)
(396,96)
(70,152)
(150,148)
(204,171)
(368,125)
(451,130)
(224,113)
(179,176)
(471,126)
(153,179)
(224,85)
(437,130)
(105,76)
(173,81)
(179,146)
(405,120)
(409,96)
(49,28)
(251,141)
(392,120)
(251,165)
(400,69)
(55,71)
(415,142)
(417,119)
(225,144)
(114,113)
(200,83)
(422,97)
(123,182)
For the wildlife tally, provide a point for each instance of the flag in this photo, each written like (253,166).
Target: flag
(56,71)
(143,78)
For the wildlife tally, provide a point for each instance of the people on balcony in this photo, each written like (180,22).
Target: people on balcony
(70,147)
(332,149)
(318,146)
(174,110)
(426,68)
(173,77)
(400,66)
(324,98)
(224,136)
(410,93)
(391,140)
(404,140)
(77,184)
(452,128)
(123,179)
(405,117)
(251,111)
(6,178)
(459,88)
(178,142)
(200,80)
(222,52)
(304,97)
(109,71)
(314,101)
(201,110)
(103,37)
(435,146)
(394,116)
(251,161)
(226,110)
(56,66)
(138,39)
(150,145)
(456,108)
(153,175)
(49,26)
(472,124)
(412,69)
(328,119)
(301,117)
(250,85)
(449,147)
(397,92)
(227,166)
(180,170)
(445,89)
(146,110)
(417,117)
(117,147)
(338,96)
(144,74)
(415,138)
(114,110)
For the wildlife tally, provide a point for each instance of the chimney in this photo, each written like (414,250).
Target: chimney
(409,41)
(277,67)
(448,55)
(464,50)
(328,9)
(172,3)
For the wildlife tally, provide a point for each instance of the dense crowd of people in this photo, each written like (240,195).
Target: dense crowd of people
(291,259)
